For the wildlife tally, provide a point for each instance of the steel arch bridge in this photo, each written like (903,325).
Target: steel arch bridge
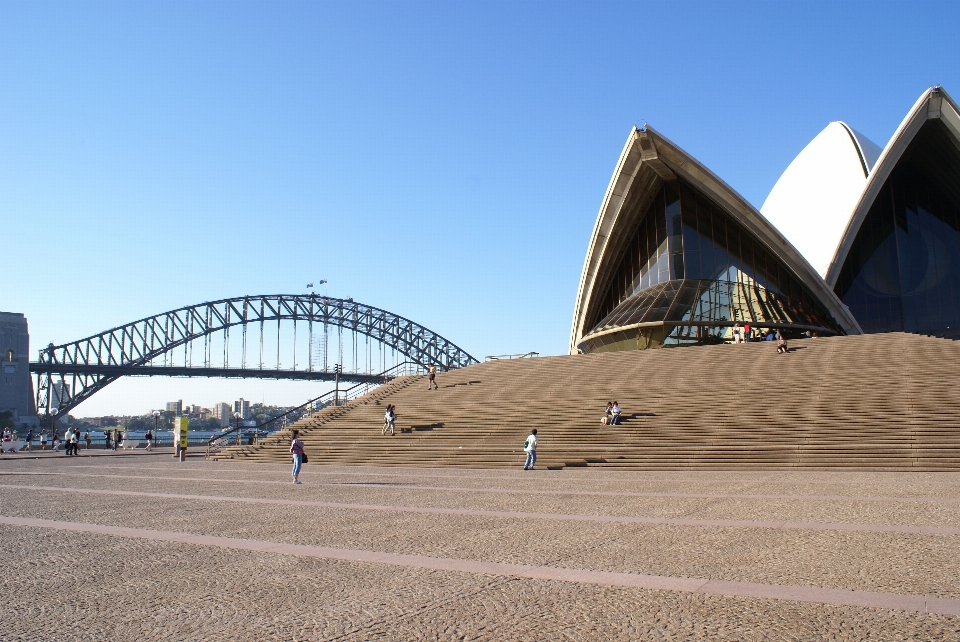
(86,366)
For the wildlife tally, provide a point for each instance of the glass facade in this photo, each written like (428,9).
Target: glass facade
(903,269)
(691,268)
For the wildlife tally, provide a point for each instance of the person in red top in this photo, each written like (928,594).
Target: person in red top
(746,332)
(296,449)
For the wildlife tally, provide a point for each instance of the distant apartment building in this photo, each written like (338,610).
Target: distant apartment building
(222,412)
(243,407)
(175,406)
(103,422)
(16,388)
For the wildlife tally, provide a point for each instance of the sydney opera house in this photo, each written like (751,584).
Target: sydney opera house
(851,239)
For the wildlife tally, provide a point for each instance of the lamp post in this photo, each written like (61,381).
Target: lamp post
(337,369)
(52,423)
(156,425)
(236,416)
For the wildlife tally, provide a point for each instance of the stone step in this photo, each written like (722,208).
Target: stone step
(866,402)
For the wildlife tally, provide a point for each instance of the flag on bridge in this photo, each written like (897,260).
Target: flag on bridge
(322,281)
(310,285)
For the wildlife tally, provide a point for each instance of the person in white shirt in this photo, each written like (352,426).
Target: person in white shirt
(530,447)
(72,443)
(389,421)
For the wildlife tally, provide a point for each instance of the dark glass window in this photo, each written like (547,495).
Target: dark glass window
(902,272)
(691,262)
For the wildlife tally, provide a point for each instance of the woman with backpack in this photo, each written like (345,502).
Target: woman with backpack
(296,449)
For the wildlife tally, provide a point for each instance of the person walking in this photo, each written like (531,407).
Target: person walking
(393,420)
(106,440)
(432,374)
(149,437)
(86,438)
(29,440)
(388,419)
(116,438)
(736,332)
(43,440)
(746,333)
(530,447)
(73,442)
(296,449)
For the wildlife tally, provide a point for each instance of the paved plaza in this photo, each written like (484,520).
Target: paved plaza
(142,547)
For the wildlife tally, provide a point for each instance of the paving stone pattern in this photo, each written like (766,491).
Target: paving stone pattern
(145,547)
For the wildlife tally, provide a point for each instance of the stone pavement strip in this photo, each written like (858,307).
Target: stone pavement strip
(148,548)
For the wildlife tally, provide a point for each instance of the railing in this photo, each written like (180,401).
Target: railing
(525,355)
(335,397)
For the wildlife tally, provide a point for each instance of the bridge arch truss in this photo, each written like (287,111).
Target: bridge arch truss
(69,374)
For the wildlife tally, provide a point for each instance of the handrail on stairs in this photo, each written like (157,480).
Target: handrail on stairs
(525,355)
(335,397)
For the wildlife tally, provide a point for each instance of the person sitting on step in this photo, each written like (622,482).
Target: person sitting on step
(607,414)
(781,344)
(615,414)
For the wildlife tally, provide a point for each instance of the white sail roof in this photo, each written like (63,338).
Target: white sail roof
(812,201)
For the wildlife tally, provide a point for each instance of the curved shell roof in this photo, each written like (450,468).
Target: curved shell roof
(811,216)
(933,103)
(812,200)
(648,157)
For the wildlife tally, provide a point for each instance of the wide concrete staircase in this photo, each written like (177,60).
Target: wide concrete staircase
(876,402)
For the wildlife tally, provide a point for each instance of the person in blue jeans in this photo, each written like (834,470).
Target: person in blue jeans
(530,447)
(296,449)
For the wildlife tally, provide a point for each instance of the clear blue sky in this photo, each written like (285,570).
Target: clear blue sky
(444,161)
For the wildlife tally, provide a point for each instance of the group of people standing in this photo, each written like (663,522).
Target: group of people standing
(113,439)
(746,334)
(72,440)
